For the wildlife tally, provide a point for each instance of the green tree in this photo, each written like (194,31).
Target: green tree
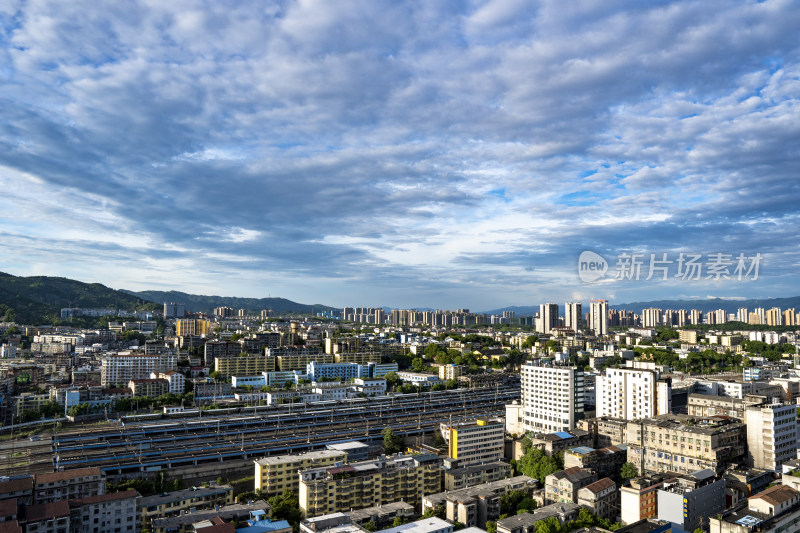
(418,364)
(392,443)
(538,465)
(398,521)
(392,380)
(286,507)
(628,471)
(491,526)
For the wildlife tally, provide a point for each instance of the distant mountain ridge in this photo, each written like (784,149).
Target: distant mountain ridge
(709,304)
(206,304)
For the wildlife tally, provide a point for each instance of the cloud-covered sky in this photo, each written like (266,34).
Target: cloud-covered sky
(402,153)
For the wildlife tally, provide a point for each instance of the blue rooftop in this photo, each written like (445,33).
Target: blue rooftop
(581,449)
(564,434)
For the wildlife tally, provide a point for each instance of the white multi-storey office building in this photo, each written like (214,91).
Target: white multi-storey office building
(552,397)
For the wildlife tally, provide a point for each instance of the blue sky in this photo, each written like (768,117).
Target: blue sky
(433,154)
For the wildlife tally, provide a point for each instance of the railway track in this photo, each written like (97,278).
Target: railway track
(126,448)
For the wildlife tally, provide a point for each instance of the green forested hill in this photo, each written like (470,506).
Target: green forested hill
(39,299)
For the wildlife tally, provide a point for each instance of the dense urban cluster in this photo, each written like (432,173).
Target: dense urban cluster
(420,421)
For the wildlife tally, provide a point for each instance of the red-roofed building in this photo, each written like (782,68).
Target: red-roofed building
(47,517)
(600,497)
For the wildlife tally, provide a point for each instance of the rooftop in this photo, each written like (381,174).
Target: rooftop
(425,525)
(64,475)
(183,494)
(542,513)
(484,489)
(17,484)
(387,509)
(46,511)
(599,485)
(776,495)
(281,459)
(701,425)
(236,510)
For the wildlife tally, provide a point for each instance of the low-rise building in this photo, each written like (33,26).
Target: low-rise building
(605,431)
(560,441)
(563,486)
(182,523)
(639,498)
(382,516)
(369,386)
(601,498)
(178,502)
(148,388)
(176,380)
(526,522)
(468,476)
(424,525)
(419,378)
(691,499)
(774,510)
(473,506)
(606,462)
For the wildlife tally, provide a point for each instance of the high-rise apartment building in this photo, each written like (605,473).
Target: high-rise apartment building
(598,317)
(632,394)
(548,317)
(552,397)
(573,312)
(742,315)
(652,317)
(774,317)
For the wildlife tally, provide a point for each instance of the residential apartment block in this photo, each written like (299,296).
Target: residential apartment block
(563,486)
(771,435)
(369,483)
(275,474)
(119,369)
(678,443)
(632,394)
(473,506)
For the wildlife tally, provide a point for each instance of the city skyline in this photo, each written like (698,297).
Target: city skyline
(403,155)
